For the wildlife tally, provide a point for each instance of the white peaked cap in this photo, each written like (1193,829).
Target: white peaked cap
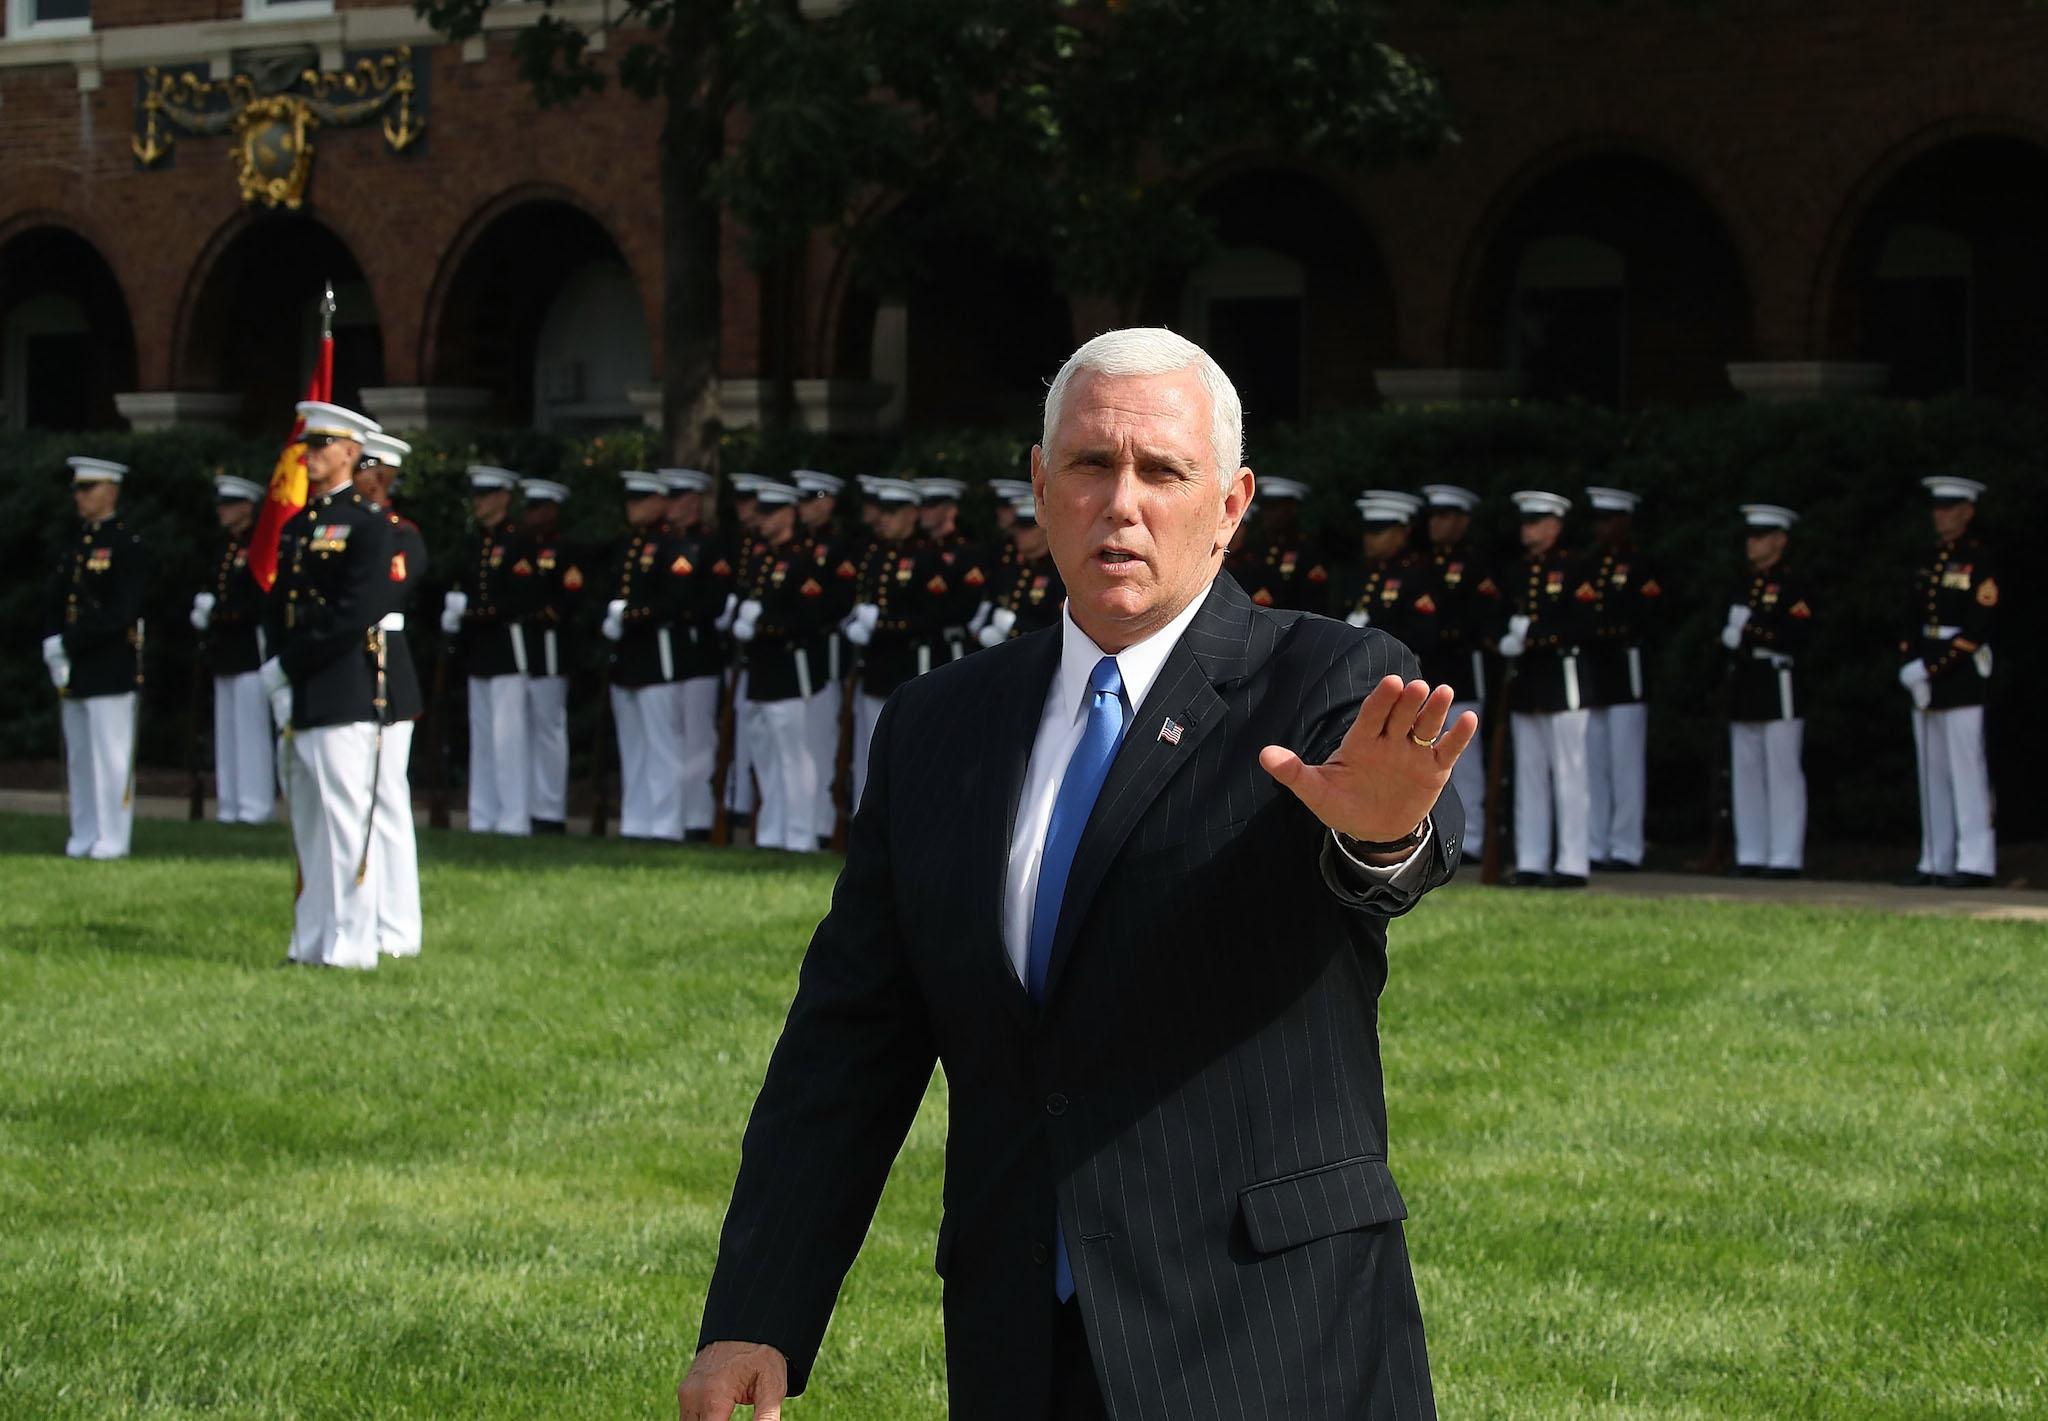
(1027,508)
(1768,515)
(95,471)
(1535,503)
(929,490)
(744,483)
(1612,500)
(892,490)
(1375,506)
(490,476)
(336,422)
(1282,488)
(1010,490)
(686,480)
(229,489)
(774,494)
(544,491)
(386,449)
(639,481)
(1948,486)
(817,481)
(1450,496)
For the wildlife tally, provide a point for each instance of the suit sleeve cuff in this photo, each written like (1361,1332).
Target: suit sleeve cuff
(1386,888)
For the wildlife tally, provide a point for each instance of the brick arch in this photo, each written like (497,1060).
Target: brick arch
(1884,164)
(47,249)
(1483,282)
(457,249)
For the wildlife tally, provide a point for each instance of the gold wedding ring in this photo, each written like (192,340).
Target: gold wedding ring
(1425,744)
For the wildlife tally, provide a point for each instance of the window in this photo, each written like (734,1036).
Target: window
(48,19)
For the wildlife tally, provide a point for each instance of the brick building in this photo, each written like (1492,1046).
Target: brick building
(1648,203)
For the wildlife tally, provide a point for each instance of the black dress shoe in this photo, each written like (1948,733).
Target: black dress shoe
(1917,879)
(1520,879)
(1783,873)
(549,826)
(1567,880)
(1741,870)
(1620,866)
(1969,880)
(1599,865)
(696,836)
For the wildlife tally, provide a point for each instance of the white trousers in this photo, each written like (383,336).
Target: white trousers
(1767,792)
(1468,778)
(1956,833)
(1617,749)
(334,922)
(650,726)
(244,759)
(1550,791)
(823,718)
(700,750)
(99,757)
(867,710)
(497,756)
(547,747)
(739,779)
(788,774)
(394,853)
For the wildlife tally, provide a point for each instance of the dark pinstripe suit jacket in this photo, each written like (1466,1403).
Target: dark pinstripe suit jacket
(1201,1089)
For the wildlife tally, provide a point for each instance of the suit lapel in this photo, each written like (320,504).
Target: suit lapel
(1012,724)
(1211,651)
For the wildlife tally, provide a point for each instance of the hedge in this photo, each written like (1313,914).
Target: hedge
(1852,467)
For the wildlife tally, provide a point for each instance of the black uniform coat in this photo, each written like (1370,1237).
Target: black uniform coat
(1954,592)
(657,580)
(1035,591)
(785,659)
(95,604)
(1399,595)
(408,571)
(1284,572)
(554,607)
(1556,592)
(1766,668)
(337,567)
(1471,614)
(500,580)
(1201,1090)
(1626,611)
(235,643)
(908,584)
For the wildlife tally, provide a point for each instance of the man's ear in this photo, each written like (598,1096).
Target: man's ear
(1037,473)
(1237,497)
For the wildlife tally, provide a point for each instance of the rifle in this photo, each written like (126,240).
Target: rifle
(600,780)
(721,771)
(195,706)
(437,749)
(1496,773)
(842,766)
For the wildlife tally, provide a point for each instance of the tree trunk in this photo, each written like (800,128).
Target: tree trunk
(692,141)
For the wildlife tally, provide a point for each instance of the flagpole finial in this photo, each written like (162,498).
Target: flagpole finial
(327,312)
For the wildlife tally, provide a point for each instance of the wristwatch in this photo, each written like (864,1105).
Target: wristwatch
(1402,845)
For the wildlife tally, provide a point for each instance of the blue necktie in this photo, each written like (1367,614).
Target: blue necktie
(1082,782)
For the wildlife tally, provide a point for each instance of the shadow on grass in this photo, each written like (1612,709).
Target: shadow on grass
(128,939)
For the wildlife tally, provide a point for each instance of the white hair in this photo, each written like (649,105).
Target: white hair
(1153,350)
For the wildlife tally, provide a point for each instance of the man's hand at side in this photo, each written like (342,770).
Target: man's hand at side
(729,1374)
(1381,783)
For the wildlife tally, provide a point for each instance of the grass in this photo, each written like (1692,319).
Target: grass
(1664,1160)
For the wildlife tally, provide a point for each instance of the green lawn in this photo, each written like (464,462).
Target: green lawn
(1663,1160)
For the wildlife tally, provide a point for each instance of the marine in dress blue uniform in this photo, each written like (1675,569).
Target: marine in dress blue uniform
(1629,596)
(228,615)
(1769,626)
(394,848)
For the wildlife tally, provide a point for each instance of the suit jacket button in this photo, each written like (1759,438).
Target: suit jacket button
(1055,1104)
(1040,1254)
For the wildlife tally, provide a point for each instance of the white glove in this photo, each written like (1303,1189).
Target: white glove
(1913,676)
(1000,621)
(278,688)
(1513,645)
(451,621)
(614,619)
(457,601)
(1359,618)
(202,611)
(53,650)
(1731,637)
(980,619)
(989,636)
(1738,615)
(743,626)
(60,673)
(281,708)
(868,614)
(1518,628)
(724,622)
(858,632)
(750,611)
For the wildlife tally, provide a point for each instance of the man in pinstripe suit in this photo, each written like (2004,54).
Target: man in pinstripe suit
(1167,1191)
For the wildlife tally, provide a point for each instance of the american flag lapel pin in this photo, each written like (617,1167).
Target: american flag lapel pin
(1170,731)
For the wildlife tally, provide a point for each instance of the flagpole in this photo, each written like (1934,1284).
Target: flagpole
(327,313)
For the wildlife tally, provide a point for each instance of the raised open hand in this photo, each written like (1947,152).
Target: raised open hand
(1386,776)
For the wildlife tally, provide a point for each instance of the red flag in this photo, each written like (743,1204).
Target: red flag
(288,478)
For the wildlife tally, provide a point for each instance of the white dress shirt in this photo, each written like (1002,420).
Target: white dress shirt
(1060,726)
